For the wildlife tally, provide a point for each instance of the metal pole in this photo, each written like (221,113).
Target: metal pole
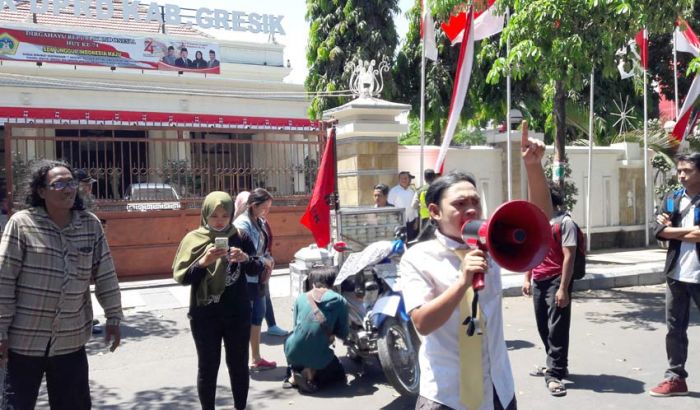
(646,166)
(675,76)
(509,148)
(422,112)
(590,165)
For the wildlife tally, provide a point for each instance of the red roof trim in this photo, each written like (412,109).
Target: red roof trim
(61,116)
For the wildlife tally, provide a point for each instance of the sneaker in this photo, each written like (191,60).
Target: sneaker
(263,364)
(670,387)
(276,331)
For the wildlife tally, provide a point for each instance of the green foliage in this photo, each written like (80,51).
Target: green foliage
(570,190)
(342,31)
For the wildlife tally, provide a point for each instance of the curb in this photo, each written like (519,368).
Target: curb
(595,279)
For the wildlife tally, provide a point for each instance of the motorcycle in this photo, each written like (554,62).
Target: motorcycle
(379,324)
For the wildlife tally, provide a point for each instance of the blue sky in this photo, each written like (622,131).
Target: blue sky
(294,24)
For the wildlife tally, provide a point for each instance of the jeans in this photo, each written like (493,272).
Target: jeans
(208,332)
(257,304)
(678,297)
(553,325)
(66,381)
(269,312)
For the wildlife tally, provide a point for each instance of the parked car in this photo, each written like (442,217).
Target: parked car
(146,196)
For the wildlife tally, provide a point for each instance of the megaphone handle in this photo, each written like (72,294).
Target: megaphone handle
(478,281)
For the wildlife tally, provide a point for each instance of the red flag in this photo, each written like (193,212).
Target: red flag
(642,40)
(317,217)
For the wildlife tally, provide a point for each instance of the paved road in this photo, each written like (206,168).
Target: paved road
(617,355)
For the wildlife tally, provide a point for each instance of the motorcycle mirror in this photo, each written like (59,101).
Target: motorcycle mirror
(341,247)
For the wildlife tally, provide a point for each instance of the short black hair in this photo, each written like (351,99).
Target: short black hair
(556,193)
(382,187)
(322,276)
(39,170)
(171,48)
(183,49)
(429,175)
(212,52)
(693,157)
(439,186)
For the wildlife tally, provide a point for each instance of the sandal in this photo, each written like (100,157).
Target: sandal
(538,371)
(305,385)
(556,388)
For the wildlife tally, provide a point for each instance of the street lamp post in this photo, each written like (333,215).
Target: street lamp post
(514,118)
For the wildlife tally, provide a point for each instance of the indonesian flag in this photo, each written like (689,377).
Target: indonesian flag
(317,217)
(427,30)
(486,24)
(689,113)
(464,28)
(642,40)
(459,90)
(686,40)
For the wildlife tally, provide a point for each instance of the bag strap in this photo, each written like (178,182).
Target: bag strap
(693,202)
(317,312)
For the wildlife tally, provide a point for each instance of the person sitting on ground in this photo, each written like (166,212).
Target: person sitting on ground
(319,316)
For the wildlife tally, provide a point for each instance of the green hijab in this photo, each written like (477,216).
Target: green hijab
(197,242)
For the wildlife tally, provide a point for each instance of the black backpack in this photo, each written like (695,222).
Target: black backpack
(580,256)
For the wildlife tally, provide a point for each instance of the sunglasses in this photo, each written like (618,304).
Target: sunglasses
(61,185)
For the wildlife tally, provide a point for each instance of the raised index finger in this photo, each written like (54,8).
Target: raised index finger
(524,141)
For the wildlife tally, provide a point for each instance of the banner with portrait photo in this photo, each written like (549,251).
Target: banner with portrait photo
(108,50)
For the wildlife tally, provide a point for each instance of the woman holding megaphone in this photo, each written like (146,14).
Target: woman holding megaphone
(437,275)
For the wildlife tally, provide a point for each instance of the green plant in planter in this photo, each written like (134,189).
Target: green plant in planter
(185,183)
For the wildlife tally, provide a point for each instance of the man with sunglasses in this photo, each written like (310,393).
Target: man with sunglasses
(49,253)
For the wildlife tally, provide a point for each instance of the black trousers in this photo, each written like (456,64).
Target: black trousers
(426,404)
(553,324)
(208,331)
(66,381)
(678,298)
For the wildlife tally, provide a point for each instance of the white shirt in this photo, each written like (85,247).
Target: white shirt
(427,270)
(687,268)
(402,197)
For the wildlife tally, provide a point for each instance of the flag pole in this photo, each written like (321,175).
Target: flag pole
(675,75)
(422,111)
(509,148)
(590,165)
(646,165)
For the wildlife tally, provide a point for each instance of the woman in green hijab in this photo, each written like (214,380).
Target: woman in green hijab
(219,303)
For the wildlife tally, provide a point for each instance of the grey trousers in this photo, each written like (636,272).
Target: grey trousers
(678,297)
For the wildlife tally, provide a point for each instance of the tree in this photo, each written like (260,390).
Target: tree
(561,41)
(661,66)
(342,31)
(486,101)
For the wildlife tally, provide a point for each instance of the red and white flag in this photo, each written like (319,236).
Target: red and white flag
(459,90)
(642,40)
(486,24)
(466,27)
(427,30)
(689,113)
(686,40)
(317,217)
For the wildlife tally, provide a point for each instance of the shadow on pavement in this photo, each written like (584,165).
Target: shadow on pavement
(605,383)
(646,309)
(518,344)
(138,327)
(272,375)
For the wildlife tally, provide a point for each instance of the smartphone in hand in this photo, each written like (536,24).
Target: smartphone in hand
(221,243)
